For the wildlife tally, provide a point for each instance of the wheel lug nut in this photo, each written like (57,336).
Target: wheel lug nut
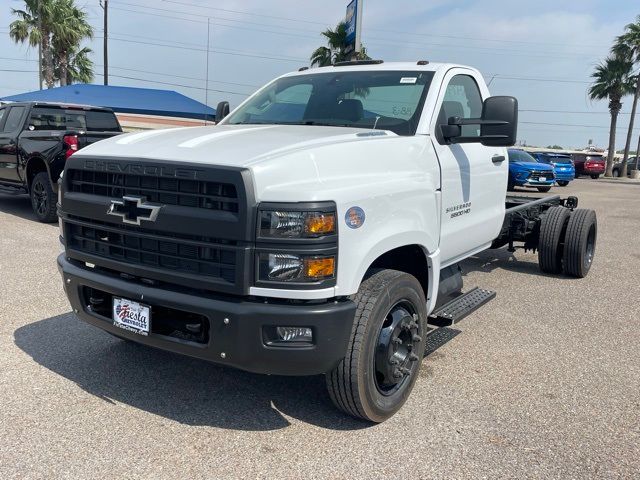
(394,361)
(397,373)
(397,341)
(413,357)
(404,370)
(416,338)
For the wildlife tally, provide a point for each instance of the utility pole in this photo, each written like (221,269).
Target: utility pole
(105,6)
(206,85)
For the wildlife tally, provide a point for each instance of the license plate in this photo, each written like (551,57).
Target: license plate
(542,179)
(132,316)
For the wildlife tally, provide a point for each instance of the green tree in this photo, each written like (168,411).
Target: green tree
(335,50)
(612,80)
(69,28)
(33,26)
(627,46)
(58,27)
(79,68)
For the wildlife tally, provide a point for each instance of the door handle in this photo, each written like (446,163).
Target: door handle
(497,158)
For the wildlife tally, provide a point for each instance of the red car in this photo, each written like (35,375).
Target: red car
(592,164)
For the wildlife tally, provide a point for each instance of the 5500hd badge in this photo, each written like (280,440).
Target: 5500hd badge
(458,210)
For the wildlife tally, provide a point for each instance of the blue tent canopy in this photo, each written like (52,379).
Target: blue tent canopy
(147,101)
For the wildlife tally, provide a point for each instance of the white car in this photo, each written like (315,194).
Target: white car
(315,229)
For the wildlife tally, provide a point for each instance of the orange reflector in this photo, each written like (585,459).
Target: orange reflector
(320,223)
(319,268)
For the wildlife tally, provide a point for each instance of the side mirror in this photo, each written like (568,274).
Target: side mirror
(498,124)
(222,110)
(504,112)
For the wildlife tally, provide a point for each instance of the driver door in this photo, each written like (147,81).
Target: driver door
(474,177)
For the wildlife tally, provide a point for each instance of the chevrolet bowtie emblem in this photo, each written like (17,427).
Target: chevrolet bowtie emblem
(133,209)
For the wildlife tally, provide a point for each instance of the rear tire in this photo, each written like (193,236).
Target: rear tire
(595,177)
(563,183)
(43,198)
(544,189)
(386,348)
(510,185)
(550,246)
(580,242)
(615,172)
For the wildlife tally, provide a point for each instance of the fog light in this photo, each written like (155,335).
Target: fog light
(294,334)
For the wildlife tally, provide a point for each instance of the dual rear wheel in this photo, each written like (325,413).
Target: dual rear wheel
(567,241)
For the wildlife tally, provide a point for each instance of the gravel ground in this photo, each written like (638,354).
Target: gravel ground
(542,382)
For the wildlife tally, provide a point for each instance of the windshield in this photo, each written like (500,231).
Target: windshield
(384,100)
(520,156)
(559,158)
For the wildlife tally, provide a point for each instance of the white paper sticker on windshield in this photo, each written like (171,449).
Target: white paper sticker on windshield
(408,79)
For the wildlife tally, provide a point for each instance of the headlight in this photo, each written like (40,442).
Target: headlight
(296,224)
(290,267)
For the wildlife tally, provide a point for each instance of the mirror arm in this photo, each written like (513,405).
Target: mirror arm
(475,121)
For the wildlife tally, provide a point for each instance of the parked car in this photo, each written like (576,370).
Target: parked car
(37,138)
(562,165)
(589,163)
(617,168)
(526,171)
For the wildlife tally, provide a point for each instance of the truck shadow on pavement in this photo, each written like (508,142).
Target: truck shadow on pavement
(186,390)
(490,260)
(18,205)
(189,391)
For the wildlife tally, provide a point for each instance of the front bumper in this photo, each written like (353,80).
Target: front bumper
(565,176)
(239,341)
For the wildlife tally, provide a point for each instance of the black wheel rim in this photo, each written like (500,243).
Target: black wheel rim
(40,198)
(591,246)
(395,359)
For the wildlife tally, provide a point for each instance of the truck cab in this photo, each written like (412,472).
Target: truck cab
(315,229)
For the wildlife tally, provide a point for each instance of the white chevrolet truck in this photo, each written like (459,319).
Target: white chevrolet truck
(317,229)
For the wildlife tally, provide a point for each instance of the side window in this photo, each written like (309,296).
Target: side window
(2,111)
(287,105)
(462,99)
(14,118)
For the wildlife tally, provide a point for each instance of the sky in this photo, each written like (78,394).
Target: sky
(542,52)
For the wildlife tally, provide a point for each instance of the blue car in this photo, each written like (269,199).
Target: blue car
(562,166)
(525,171)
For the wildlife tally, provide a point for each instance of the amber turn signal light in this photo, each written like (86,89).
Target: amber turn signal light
(319,268)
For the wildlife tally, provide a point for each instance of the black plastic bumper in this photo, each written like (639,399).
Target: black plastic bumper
(238,342)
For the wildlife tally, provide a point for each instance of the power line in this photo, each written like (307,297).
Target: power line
(396,32)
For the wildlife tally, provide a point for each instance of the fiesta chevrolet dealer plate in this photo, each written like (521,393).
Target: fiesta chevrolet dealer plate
(132,316)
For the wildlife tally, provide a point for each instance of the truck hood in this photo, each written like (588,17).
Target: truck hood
(229,145)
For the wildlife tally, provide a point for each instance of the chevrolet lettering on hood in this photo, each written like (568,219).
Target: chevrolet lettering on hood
(138,169)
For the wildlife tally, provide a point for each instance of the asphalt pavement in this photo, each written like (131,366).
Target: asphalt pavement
(542,382)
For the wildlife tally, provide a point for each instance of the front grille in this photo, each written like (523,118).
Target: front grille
(169,191)
(192,255)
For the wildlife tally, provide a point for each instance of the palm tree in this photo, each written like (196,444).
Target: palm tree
(69,28)
(79,68)
(612,81)
(33,25)
(628,46)
(335,49)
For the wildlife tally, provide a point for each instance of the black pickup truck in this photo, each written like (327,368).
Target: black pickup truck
(35,141)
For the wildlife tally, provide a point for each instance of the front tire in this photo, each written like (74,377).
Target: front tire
(615,173)
(386,348)
(544,189)
(595,177)
(43,198)
(563,183)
